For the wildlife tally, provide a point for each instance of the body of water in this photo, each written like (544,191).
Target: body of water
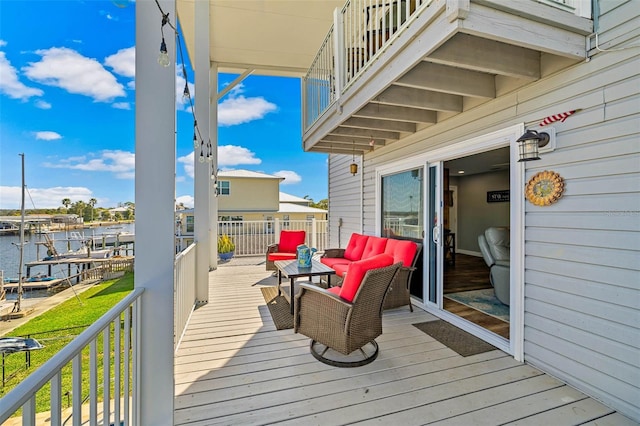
(10,248)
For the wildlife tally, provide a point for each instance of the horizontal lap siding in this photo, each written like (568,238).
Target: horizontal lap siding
(582,254)
(344,200)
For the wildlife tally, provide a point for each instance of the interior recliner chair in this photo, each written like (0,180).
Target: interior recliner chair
(494,245)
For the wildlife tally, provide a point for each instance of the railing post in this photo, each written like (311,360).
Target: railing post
(314,233)
(276,229)
(338,51)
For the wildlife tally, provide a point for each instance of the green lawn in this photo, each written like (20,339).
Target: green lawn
(57,327)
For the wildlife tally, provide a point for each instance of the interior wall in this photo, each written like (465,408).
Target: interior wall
(475,214)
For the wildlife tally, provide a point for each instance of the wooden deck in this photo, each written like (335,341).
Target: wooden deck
(233,367)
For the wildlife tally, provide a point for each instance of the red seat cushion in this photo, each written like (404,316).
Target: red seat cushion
(356,246)
(272,257)
(290,240)
(374,246)
(402,251)
(341,268)
(356,273)
(334,290)
(331,262)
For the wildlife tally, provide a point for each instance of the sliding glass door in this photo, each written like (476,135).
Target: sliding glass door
(433,246)
(402,196)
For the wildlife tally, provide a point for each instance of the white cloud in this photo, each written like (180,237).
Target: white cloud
(121,105)
(120,163)
(290,177)
(3,43)
(9,83)
(43,104)
(10,196)
(228,155)
(65,68)
(123,62)
(232,155)
(238,109)
(186,200)
(187,161)
(47,136)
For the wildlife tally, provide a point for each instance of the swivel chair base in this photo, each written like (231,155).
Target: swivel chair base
(362,356)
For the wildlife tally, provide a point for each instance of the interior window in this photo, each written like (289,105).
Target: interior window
(402,205)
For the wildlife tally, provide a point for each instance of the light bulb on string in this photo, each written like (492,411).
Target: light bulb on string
(201,158)
(209,152)
(163,57)
(186,96)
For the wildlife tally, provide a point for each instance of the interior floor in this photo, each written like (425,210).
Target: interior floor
(466,274)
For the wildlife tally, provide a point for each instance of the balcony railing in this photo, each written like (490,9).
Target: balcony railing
(112,345)
(362,29)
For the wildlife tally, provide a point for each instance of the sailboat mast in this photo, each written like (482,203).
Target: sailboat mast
(19,300)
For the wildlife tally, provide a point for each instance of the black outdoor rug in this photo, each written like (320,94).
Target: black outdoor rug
(464,343)
(278,307)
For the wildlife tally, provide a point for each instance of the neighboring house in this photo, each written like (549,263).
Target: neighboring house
(432,118)
(245,196)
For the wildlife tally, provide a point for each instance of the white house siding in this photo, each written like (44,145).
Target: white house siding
(344,199)
(582,254)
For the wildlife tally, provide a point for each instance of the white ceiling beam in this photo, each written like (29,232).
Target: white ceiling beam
(457,81)
(234,83)
(397,113)
(417,98)
(354,139)
(369,123)
(380,134)
(489,56)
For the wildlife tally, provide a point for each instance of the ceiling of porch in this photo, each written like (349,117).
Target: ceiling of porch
(272,37)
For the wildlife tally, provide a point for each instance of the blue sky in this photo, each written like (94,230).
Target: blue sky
(67,100)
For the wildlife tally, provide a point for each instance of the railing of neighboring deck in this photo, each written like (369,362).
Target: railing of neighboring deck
(318,86)
(184,294)
(111,344)
(252,237)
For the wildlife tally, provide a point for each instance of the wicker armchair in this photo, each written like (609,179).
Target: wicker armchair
(285,249)
(342,333)
(399,293)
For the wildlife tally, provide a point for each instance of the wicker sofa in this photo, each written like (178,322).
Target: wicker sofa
(366,246)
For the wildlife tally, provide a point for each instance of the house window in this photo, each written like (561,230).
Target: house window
(285,220)
(309,218)
(224,187)
(190,224)
(402,204)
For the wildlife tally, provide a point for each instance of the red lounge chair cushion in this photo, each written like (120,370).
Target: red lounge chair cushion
(341,268)
(272,257)
(290,240)
(334,290)
(374,246)
(402,251)
(356,273)
(356,246)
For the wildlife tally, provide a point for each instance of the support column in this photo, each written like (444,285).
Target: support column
(202,174)
(213,132)
(155,166)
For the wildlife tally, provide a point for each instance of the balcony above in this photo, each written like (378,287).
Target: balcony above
(388,69)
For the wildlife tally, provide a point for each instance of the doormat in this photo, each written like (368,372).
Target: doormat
(484,301)
(278,307)
(466,344)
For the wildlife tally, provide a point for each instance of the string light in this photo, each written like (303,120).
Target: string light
(164,60)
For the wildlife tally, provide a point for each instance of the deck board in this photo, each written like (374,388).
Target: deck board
(234,367)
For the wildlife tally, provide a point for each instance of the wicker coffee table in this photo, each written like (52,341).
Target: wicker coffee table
(289,269)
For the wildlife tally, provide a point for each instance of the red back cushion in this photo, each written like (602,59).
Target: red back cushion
(402,251)
(375,245)
(356,245)
(356,272)
(290,240)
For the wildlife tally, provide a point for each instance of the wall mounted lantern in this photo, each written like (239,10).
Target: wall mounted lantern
(353,167)
(529,143)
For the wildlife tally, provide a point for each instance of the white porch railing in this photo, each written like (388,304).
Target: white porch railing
(361,30)
(184,290)
(252,237)
(112,344)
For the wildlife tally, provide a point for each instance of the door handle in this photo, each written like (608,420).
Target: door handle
(435,235)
